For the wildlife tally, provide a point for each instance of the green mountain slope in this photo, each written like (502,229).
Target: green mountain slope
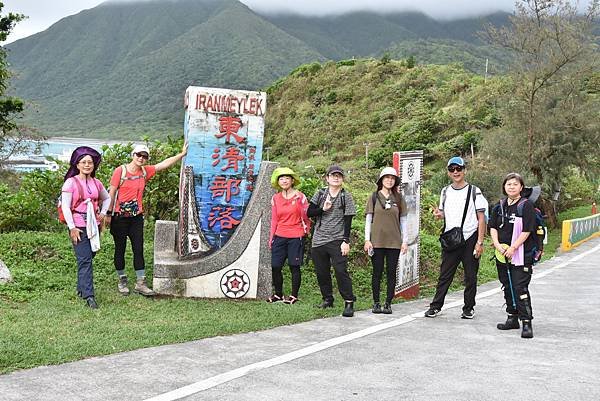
(120,69)
(331,111)
(126,66)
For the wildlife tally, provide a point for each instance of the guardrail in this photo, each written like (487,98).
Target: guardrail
(577,231)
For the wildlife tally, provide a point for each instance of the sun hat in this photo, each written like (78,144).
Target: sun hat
(139,149)
(78,154)
(280,171)
(388,171)
(456,160)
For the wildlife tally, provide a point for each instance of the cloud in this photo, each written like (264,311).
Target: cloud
(439,9)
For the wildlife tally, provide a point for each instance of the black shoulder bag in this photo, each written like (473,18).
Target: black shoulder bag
(453,238)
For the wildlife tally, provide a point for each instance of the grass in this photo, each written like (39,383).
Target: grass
(43,322)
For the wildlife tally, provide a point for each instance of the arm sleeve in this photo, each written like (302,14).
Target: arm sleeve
(441,205)
(105,201)
(314,210)
(347,226)
(481,204)
(65,204)
(404,228)
(528,217)
(368,222)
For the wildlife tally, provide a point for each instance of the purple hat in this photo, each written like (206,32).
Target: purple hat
(78,154)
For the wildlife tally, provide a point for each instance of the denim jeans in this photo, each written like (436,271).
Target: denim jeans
(85,273)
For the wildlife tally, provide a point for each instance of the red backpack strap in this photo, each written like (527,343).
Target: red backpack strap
(76,204)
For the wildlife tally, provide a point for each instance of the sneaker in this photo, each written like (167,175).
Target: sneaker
(387,309)
(274,298)
(91,302)
(122,286)
(376,307)
(326,304)
(142,288)
(432,312)
(290,300)
(468,314)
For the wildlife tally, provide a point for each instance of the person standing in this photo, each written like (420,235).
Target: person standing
(81,196)
(126,191)
(461,205)
(289,225)
(511,225)
(333,208)
(385,228)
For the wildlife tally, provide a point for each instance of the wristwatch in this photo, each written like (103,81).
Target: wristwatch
(479,243)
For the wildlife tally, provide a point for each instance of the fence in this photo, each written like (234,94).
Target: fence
(576,231)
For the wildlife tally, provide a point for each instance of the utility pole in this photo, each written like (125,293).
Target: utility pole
(486,70)
(366,155)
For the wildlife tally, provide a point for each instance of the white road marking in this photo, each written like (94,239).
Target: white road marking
(290,356)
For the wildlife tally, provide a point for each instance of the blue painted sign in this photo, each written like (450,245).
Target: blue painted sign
(224,129)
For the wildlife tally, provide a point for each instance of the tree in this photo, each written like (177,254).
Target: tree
(548,113)
(12,136)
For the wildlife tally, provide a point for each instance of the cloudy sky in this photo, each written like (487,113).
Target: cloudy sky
(43,13)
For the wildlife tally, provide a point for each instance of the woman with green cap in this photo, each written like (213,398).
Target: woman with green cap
(289,226)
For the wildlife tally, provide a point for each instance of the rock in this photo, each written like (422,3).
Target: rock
(5,275)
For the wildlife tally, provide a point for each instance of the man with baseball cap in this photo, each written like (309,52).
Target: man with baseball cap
(333,209)
(462,206)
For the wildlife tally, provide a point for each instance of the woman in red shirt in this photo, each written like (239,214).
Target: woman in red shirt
(289,225)
(126,189)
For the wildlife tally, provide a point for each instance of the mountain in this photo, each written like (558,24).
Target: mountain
(120,70)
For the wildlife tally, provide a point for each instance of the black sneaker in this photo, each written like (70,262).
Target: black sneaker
(387,309)
(91,302)
(432,312)
(326,304)
(468,314)
(376,307)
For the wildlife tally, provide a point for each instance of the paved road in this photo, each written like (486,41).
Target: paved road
(369,357)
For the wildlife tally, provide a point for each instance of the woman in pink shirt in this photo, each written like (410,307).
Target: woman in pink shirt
(289,226)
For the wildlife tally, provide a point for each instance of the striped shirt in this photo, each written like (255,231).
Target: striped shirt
(330,225)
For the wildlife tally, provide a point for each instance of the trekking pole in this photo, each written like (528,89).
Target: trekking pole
(512,291)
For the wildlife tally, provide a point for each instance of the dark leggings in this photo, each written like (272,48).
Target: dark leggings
(122,228)
(278,280)
(380,256)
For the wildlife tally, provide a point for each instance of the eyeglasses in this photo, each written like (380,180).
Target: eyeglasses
(452,169)
(142,155)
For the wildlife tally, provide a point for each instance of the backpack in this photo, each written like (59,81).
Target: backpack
(539,234)
(74,205)
(122,180)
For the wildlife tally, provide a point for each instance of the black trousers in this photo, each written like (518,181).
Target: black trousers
(122,228)
(324,257)
(520,277)
(380,256)
(450,262)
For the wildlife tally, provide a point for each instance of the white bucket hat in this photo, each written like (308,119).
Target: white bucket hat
(389,171)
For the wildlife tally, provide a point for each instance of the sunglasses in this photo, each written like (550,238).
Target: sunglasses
(142,155)
(452,169)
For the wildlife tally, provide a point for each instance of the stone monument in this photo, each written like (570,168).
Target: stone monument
(219,246)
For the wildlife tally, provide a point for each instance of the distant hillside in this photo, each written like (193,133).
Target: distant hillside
(325,112)
(120,69)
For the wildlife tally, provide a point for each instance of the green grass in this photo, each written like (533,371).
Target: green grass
(43,322)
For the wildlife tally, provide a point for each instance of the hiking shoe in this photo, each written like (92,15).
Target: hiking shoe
(326,304)
(122,286)
(376,307)
(274,298)
(468,314)
(527,331)
(91,302)
(387,309)
(142,289)
(512,322)
(432,312)
(290,300)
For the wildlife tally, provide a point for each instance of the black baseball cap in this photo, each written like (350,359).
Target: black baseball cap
(335,169)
